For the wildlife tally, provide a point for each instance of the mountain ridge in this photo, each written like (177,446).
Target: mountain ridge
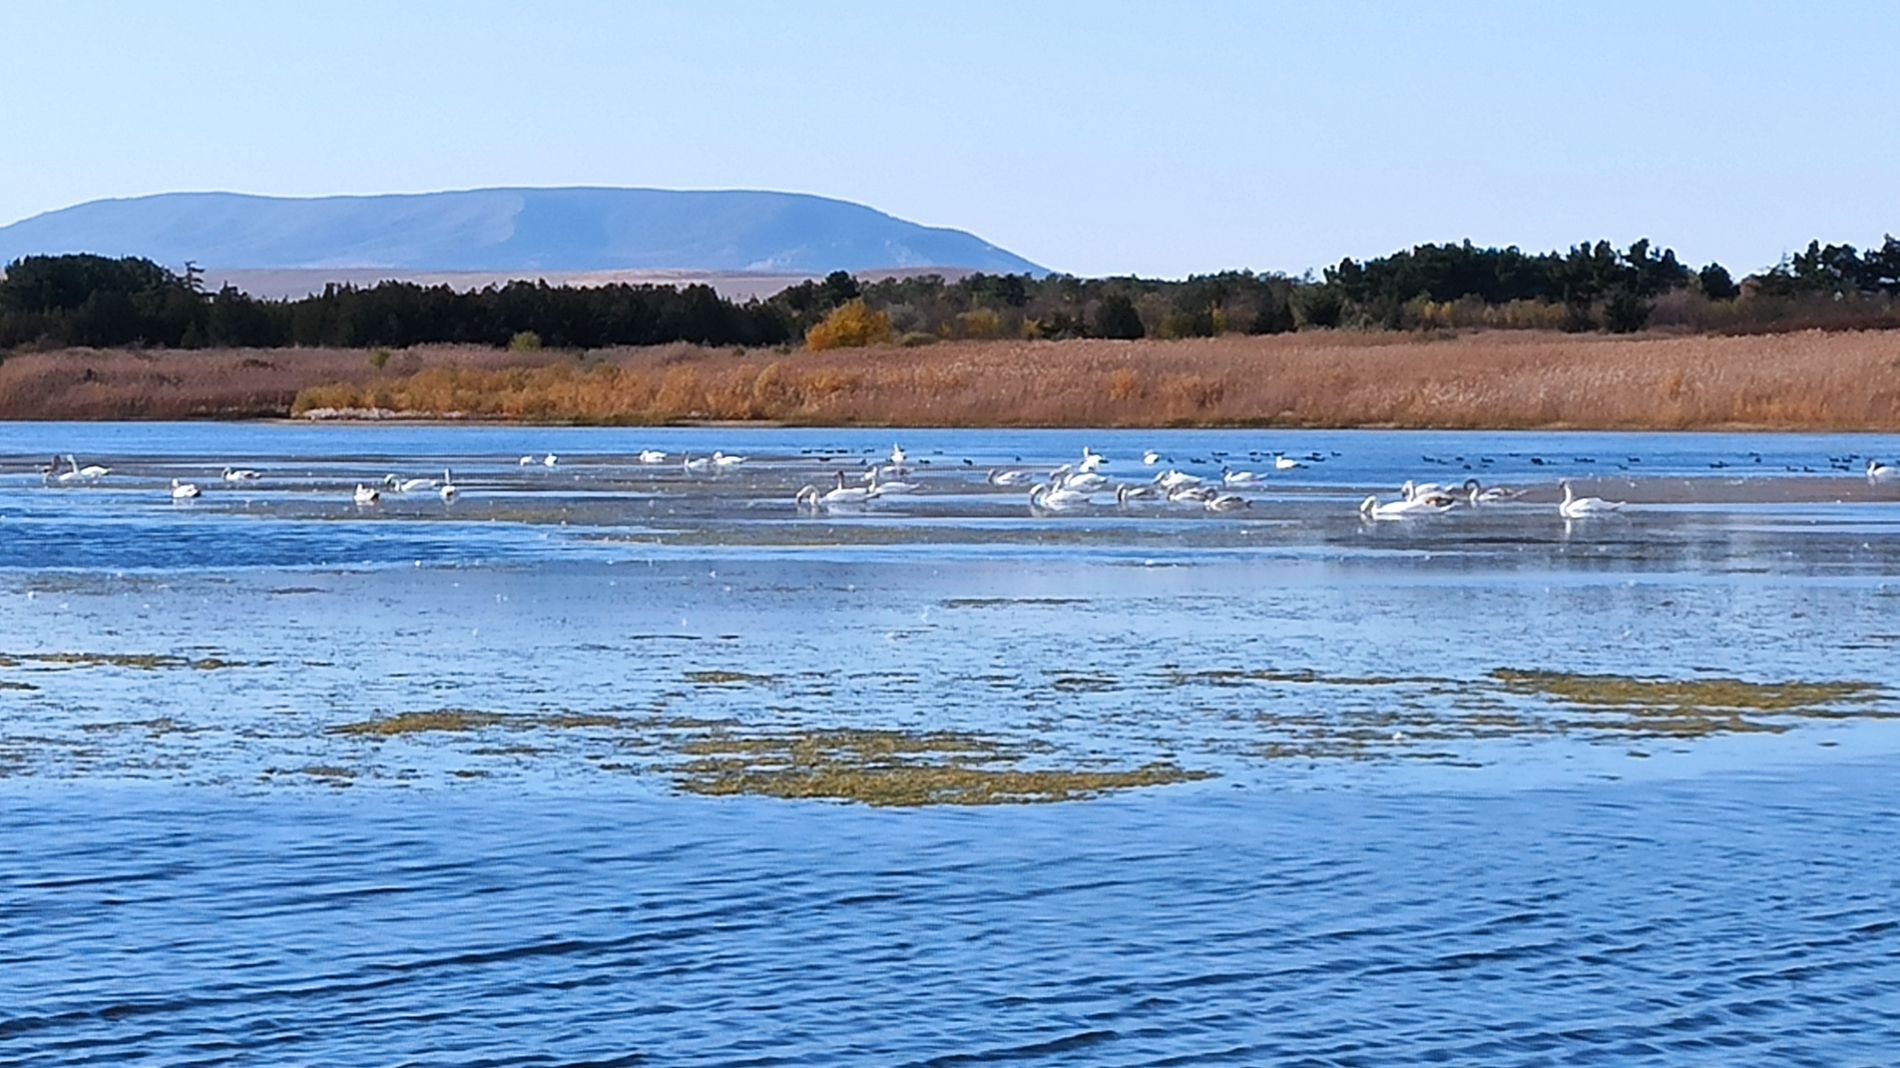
(508,228)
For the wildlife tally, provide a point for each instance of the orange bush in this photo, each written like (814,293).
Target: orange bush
(852,325)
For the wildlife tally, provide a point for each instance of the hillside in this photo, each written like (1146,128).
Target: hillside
(508,230)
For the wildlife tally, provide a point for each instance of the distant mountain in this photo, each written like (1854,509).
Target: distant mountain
(507,230)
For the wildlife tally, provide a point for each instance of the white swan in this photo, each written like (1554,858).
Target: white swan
(548,460)
(1172,480)
(183,491)
(89,472)
(1477,493)
(1001,477)
(1126,494)
(449,490)
(407,485)
(1575,507)
(897,456)
(1283,462)
(700,465)
(722,461)
(1193,493)
(1150,458)
(839,494)
(1091,459)
(1239,478)
(367,494)
(652,456)
(1054,497)
(241,474)
(1226,502)
(881,488)
(1879,472)
(1084,481)
(526,461)
(1370,508)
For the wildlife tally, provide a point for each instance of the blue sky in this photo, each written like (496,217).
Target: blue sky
(1092,137)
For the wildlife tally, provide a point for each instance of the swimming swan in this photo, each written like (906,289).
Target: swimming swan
(407,485)
(1227,502)
(652,456)
(839,494)
(449,490)
(1084,481)
(367,494)
(241,474)
(1574,507)
(1879,472)
(1370,508)
(1055,498)
(1239,478)
(1283,462)
(1000,477)
(1477,493)
(881,488)
(183,491)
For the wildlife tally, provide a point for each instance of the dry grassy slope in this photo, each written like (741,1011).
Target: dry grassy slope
(1808,381)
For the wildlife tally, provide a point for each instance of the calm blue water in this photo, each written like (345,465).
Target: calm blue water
(1401,858)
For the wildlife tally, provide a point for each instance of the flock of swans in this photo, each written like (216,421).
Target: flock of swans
(1079,485)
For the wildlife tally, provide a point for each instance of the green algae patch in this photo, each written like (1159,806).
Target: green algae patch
(1077,682)
(1294,677)
(462,720)
(729,678)
(444,720)
(133,661)
(329,773)
(895,769)
(1626,691)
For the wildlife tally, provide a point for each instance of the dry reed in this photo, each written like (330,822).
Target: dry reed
(1805,381)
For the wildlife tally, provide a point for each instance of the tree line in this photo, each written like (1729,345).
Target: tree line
(83,300)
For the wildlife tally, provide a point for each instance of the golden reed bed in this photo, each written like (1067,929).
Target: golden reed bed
(1805,381)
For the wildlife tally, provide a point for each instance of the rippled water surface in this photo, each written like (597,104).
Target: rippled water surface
(611,762)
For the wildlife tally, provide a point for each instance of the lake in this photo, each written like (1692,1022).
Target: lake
(612,762)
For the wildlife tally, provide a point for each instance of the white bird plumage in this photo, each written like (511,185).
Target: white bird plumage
(449,490)
(1371,508)
(811,496)
(398,484)
(1575,507)
(1879,472)
(1055,497)
(183,491)
(1226,502)
(1239,478)
(652,456)
(241,474)
(1283,462)
(367,494)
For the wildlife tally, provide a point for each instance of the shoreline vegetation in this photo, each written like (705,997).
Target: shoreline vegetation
(1437,336)
(1495,379)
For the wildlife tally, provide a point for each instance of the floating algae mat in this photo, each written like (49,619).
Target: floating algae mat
(1685,708)
(895,768)
(457,720)
(1623,691)
(136,661)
